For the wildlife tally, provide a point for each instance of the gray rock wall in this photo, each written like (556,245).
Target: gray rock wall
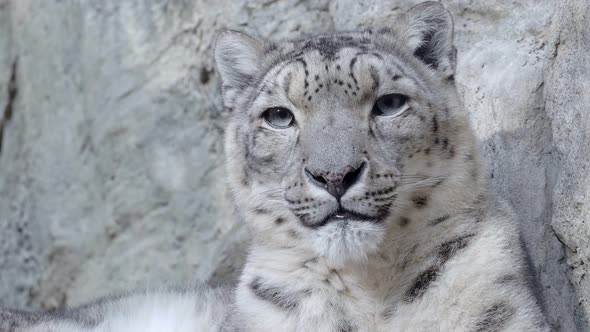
(111,167)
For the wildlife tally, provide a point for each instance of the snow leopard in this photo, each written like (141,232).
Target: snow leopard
(352,162)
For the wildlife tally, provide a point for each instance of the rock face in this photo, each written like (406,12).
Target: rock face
(111,167)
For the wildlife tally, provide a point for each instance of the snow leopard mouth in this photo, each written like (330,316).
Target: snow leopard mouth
(343,215)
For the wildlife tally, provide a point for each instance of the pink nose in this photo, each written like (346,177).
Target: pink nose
(336,183)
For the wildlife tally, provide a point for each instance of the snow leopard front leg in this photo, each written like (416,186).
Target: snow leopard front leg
(167,309)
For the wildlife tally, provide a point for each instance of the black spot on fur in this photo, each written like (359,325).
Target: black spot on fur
(403,221)
(279,220)
(445,143)
(377,55)
(420,201)
(293,234)
(276,295)
(421,284)
(439,220)
(451,152)
(261,211)
(448,249)
(396,77)
(495,318)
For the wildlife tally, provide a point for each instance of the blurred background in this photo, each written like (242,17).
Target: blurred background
(111,130)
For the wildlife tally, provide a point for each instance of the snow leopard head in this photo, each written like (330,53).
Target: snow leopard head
(331,135)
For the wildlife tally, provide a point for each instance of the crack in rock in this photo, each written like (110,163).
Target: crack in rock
(8,110)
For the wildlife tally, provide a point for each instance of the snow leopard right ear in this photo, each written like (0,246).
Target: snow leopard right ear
(429,33)
(238,58)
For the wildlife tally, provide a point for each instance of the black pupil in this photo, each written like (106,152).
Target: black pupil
(279,117)
(281,114)
(388,101)
(393,101)
(389,104)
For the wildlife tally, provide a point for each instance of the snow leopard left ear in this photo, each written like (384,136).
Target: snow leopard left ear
(238,58)
(429,33)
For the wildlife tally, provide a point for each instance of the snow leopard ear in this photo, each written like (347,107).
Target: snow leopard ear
(429,33)
(238,58)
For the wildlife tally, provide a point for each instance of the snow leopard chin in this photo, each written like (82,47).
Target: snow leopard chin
(348,242)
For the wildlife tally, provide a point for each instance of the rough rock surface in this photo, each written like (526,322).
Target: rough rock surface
(567,103)
(111,167)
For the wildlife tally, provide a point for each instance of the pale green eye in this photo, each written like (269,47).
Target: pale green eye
(279,117)
(391,104)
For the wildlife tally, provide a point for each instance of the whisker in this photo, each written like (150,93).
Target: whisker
(425,182)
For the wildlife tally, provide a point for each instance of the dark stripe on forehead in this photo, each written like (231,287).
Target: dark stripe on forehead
(351,66)
(283,65)
(272,74)
(329,45)
(389,60)
(342,41)
(375,77)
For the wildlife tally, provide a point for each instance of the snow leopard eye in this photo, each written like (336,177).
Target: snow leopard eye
(391,104)
(279,117)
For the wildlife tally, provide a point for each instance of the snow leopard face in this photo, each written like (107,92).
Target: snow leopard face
(330,135)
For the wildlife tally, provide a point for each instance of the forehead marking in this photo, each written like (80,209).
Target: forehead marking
(276,71)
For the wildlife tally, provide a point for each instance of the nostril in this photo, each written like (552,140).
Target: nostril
(319,179)
(352,177)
